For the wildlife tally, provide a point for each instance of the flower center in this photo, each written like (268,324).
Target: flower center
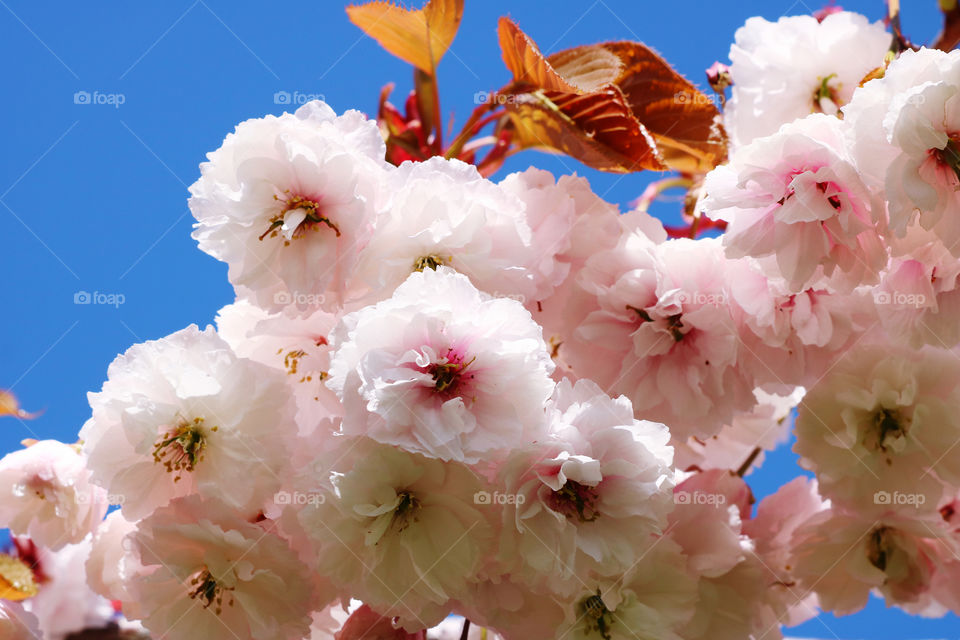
(291,361)
(575,500)
(431,261)
(826,98)
(313,219)
(950,155)
(834,200)
(181,448)
(406,511)
(880,546)
(887,426)
(447,376)
(674,323)
(596,615)
(209,591)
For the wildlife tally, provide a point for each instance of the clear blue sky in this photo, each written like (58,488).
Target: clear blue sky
(93,196)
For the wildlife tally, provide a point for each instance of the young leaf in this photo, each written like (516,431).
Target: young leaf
(684,120)
(570,105)
(419,37)
(539,125)
(524,60)
(621,97)
(10,406)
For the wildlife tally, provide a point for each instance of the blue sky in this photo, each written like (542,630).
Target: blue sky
(93,195)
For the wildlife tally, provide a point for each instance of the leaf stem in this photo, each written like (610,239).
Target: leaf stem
(468,130)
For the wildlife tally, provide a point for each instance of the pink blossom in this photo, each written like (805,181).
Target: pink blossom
(208,573)
(589,500)
(666,333)
(878,426)
(442,369)
(707,520)
(777,518)
(904,136)
(287,202)
(796,66)
(796,195)
(400,531)
(65,603)
(185,415)
(16,623)
(298,345)
(48,494)
(842,556)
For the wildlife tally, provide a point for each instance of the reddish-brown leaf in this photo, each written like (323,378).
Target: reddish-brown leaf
(570,105)
(631,109)
(419,37)
(682,119)
(536,125)
(10,406)
(595,128)
(524,60)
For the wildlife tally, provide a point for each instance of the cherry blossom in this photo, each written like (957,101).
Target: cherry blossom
(442,369)
(209,573)
(17,623)
(904,137)
(185,415)
(796,66)
(48,494)
(392,515)
(589,500)
(287,202)
(796,195)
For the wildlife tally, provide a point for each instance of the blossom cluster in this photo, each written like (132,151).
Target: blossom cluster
(438,394)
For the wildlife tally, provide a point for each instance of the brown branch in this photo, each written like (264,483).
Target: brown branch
(949,37)
(742,471)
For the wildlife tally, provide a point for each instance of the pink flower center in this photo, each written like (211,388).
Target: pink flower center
(575,500)
(431,261)
(887,426)
(879,547)
(596,615)
(826,98)
(314,220)
(450,374)
(209,591)
(949,156)
(181,448)
(673,324)
(406,511)
(824,188)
